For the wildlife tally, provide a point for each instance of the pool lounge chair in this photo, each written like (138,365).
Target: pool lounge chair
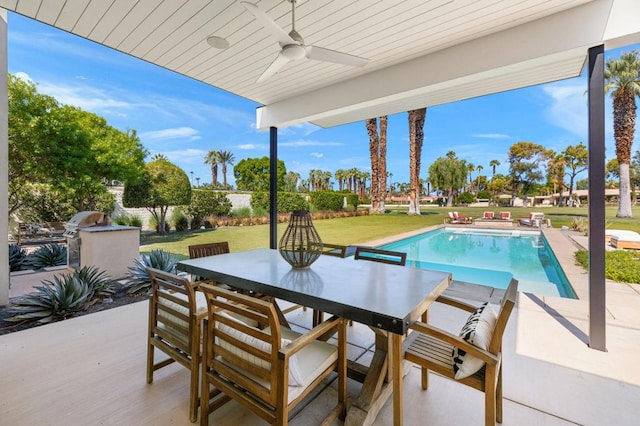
(504,216)
(626,242)
(621,234)
(457,218)
(535,219)
(488,215)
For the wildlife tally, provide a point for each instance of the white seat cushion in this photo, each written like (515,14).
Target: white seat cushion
(201,306)
(304,366)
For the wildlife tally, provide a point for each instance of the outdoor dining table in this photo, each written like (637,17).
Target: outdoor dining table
(388,298)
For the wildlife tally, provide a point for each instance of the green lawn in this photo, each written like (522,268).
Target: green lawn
(365,228)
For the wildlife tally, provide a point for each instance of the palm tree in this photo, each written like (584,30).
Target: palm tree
(493,164)
(623,81)
(479,168)
(416,137)
(471,167)
(225,158)
(212,159)
(159,157)
(382,165)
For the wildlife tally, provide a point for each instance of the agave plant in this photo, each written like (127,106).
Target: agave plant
(139,281)
(48,255)
(17,256)
(98,282)
(61,298)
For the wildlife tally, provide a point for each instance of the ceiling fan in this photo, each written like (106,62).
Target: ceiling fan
(293,47)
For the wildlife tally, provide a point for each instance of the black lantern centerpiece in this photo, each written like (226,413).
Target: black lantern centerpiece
(300,245)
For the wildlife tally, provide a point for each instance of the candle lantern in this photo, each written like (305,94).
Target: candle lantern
(300,245)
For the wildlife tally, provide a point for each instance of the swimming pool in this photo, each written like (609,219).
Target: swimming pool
(489,257)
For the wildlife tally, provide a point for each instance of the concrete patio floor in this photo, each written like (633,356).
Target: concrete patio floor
(91,369)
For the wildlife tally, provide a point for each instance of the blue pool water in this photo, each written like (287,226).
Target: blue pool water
(489,257)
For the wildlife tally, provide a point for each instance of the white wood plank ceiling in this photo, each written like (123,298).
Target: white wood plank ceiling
(172,34)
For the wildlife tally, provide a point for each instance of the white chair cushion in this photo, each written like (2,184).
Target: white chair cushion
(478,331)
(297,376)
(201,306)
(311,361)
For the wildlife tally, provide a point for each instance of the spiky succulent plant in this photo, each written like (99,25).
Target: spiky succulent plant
(56,299)
(47,255)
(98,282)
(139,281)
(17,256)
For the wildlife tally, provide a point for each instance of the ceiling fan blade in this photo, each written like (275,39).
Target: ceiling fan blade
(273,69)
(327,55)
(269,24)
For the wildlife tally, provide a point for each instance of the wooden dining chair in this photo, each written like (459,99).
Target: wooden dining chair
(204,250)
(378,255)
(269,369)
(175,318)
(472,358)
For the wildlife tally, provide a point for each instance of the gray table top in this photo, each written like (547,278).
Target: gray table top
(386,296)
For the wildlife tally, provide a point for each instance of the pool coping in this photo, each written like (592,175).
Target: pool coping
(560,242)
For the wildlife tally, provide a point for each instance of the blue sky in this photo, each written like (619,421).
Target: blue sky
(184,119)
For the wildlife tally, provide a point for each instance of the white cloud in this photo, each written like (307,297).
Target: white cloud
(302,142)
(24,77)
(491,136)
(184,156)
(175,133)
(317,154)
(303,129)
(249,146)
(568,107)
(84,96)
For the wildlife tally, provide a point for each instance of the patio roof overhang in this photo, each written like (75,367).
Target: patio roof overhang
(422,53)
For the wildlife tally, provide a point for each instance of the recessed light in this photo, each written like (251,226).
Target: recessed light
(217,42)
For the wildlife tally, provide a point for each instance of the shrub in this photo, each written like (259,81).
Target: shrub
(153,224)
(46,256)
(484,195)
(179,220)
(241,212)
(465,198)
(206,203)
(121,220)
(287,201)
(135,220)
(327,200)
(196,223)
(259,211)
(620,265)
(580,224)
(98,282)
(17,256)
(139,281)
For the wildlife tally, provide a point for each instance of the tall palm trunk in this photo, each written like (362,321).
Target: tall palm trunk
(374,152)
(224,174)
(416,137)
(382,166)
(624,118)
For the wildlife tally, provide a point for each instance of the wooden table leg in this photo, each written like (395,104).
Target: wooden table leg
(396,367)
(376,388)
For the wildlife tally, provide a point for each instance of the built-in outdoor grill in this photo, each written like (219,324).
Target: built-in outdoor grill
(93,241)
(72,233)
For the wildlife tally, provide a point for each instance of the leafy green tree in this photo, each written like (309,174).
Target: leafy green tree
(163,185)
(556,173)
(291,181)
(252,174)
(448,174)
(582,184)
(576,159)
(206,203)
(623,81)
(525,159)
(65,151)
